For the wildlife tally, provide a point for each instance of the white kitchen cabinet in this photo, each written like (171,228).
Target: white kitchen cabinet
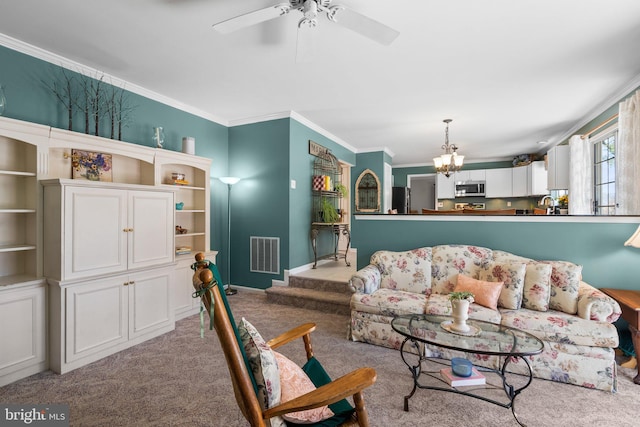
(100,317)
(103,229)
(445,187)
(499,183)
(470,175)
(558,168)
(22,331)
(537,179)
(520,181)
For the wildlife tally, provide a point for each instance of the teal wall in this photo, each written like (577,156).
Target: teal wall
(300,202)
(598,247)
(259,154)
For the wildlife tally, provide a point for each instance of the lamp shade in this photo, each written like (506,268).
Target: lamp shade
(229,179)
(634,240)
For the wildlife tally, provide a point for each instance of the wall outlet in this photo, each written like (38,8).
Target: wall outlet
(441,204)
(509,204)
(293,184)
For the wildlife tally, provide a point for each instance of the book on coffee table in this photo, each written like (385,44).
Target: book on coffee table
(453,380)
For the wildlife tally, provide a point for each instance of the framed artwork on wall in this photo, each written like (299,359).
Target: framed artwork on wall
(91,166)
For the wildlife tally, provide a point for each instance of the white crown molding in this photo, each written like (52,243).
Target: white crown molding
(55,59)
(297,117)
(376,150)
(599,109)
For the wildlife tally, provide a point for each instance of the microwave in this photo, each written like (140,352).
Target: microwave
(470,189)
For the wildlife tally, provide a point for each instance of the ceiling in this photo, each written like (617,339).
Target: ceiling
(509,73)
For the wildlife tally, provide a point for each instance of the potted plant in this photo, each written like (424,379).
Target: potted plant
(460,310)
(329,212)
(563,204)
(341,189)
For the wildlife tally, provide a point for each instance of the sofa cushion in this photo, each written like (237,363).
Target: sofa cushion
(537,286)
(565,283)
(451,260)
(556,326)
(405,271)
(439,304)
(389,302)
(484,293)
(512,275)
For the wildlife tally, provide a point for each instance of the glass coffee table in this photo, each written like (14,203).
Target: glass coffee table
(487,339)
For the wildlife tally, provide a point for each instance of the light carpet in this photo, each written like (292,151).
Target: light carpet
(179,379)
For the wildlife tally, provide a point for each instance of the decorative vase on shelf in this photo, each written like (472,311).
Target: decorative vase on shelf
(158,137)
(3,100)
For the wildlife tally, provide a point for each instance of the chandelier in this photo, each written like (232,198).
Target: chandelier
(450,161)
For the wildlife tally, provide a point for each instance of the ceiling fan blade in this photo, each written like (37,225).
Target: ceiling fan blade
(252,18)
(362,25)
(306,42)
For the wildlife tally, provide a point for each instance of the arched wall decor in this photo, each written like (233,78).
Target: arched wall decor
(368,192)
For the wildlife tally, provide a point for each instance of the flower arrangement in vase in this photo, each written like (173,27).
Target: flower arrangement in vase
(460,310)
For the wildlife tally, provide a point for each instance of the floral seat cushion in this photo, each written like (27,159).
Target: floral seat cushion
(389,302)
(556,326)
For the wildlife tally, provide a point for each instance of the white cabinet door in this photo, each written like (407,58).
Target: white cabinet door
(558,168)
(471,175)
(151,229)
(22,332)
(183,301)
(499,182)
(150,305)
(95,235)
(520,181)
(96,317)
(537,179)
(445,187)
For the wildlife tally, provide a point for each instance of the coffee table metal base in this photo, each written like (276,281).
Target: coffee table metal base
(511,391)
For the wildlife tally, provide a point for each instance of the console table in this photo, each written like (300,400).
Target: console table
(630,303)
(336,229)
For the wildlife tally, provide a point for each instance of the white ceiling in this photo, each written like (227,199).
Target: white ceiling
(509,73)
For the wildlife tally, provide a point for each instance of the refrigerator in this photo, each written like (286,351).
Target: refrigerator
(401,199)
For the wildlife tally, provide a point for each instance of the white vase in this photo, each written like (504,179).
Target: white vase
(460,310)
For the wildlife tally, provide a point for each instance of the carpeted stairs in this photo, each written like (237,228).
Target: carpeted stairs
(328,296)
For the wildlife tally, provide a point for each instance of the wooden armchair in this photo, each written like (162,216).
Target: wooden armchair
(242,378)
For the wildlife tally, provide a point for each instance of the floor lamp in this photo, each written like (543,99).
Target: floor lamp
(229,180)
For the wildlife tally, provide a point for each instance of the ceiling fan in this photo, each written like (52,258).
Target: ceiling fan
(310,9)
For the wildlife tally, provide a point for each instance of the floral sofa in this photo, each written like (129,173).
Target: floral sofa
(545,298)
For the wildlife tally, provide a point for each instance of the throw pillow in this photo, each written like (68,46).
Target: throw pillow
(565,283)
(537,286)
(263,364)
(484,293)
(512,275)
(294,383)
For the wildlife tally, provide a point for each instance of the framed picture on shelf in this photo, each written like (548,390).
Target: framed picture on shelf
(91,166)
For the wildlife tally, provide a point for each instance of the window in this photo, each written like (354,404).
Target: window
(604,172)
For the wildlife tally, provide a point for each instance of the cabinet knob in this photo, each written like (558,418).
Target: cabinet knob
(132,282)
(125,284)
(127,230)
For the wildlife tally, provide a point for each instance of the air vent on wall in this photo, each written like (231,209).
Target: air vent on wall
(265,255)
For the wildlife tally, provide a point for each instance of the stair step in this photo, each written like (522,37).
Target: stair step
(327,302)
(319,285)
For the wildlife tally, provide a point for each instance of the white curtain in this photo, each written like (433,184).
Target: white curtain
(628,157)
(580,176)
